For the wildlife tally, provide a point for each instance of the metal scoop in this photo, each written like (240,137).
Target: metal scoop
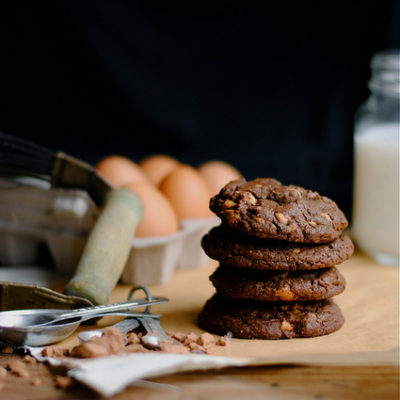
(42,326)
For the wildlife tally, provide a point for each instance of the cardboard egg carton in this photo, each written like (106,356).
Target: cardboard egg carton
(33,215)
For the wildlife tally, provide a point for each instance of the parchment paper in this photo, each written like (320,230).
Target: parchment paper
(370,304)
(370,335)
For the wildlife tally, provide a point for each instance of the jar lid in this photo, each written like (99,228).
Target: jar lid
(385,76)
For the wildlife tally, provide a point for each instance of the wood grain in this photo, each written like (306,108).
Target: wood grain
(282,383)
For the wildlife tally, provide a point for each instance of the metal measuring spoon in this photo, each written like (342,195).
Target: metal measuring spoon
(155,332)
(86,313)
(37,327)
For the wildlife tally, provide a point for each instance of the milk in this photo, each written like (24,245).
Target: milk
(376,192)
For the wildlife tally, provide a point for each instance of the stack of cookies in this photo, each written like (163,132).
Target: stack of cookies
(277,247)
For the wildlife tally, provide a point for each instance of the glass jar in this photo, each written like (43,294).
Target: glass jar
(376,162)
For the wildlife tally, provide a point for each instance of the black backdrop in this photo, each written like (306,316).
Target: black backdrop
(272,88)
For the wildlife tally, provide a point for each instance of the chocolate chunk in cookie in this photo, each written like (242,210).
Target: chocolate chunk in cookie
(270,320)
(265,208)
(243,283)
(235,248)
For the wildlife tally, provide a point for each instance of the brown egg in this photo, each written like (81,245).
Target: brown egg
(217,174)
(157,167)
(119,170)
(159,218)
(187,192)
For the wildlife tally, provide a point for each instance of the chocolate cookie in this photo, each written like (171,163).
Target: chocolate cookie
(243,283)
(265,208)
(235,248)
(270,320)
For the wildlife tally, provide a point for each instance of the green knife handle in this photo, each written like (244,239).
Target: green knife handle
(107,248)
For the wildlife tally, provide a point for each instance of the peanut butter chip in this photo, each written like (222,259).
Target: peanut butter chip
(296,250)
(292,227)
(286,326)
(299,192)
(228,204)
(231,215)
(285,293)
(249,198)
(326,216)
(259,220)
(282,218)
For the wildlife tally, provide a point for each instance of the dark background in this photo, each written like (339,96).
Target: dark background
(269,88)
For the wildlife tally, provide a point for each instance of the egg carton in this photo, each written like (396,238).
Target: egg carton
(154,260)
(32,216)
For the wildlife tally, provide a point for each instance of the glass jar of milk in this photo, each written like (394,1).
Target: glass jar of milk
(376,162)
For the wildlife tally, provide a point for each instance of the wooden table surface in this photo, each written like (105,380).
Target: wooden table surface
(289,382)
(272,382)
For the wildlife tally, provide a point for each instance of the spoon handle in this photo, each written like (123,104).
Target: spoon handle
(102,310)
(153,326)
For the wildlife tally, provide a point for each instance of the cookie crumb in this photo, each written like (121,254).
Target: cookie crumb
(222,341)
(89,350)
(7,350)
(132,338)
(18,368)
(29,359)
(136,348)
(3,372)
(63,382)
(170,347)
(205,339)
(36,382)
(179,336)
(196,347)
(191,338)
(111,339)
(53,351)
